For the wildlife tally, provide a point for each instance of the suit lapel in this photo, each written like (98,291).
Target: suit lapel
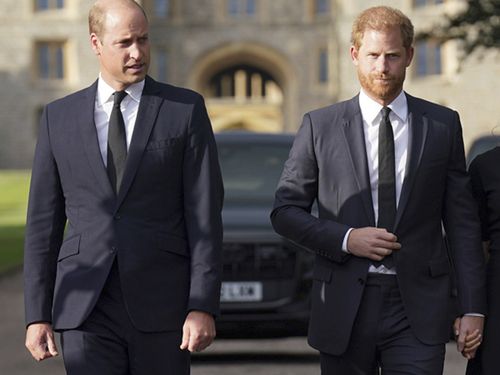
(355,143)
(417,134)
(88,132)
(146,116)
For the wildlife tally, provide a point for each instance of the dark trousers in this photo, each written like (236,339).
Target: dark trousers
(108,344)
(382,339)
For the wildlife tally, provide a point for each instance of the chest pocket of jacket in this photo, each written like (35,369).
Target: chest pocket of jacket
(164,144)
(161,152)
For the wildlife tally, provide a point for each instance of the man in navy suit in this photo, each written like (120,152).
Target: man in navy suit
(387,170)
(122,250)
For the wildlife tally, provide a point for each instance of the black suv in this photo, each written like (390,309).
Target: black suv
(266,279)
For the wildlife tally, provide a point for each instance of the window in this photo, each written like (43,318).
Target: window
(161,8)
(241,7)
(323,66)
(428,58)
(41,5)
(243,82)
(161,65)
(49,57)
(423,3)
(321,6)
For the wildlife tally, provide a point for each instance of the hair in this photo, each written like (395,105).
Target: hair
(98,12)
(382,18)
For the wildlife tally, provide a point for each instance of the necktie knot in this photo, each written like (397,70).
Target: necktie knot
(385,114)
(118,97)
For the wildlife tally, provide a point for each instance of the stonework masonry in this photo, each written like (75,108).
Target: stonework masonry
(200,38)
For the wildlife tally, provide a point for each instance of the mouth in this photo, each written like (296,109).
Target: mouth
(136,68)
(383,81)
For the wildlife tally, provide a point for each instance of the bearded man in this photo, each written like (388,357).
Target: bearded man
(387,171)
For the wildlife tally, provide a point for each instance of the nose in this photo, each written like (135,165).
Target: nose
(382,64)
(135,51)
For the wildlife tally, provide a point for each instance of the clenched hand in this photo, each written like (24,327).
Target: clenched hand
(373,243)
(40,341)
(198,331)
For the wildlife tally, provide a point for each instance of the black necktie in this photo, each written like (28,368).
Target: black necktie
(117,143)
(386,179)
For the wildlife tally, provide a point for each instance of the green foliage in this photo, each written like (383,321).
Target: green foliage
(11,247)
(13,201)
(477,26)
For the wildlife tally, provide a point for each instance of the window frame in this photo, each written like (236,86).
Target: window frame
(55,60)
(49,5)
(428,59)
(323,66)
(241,8)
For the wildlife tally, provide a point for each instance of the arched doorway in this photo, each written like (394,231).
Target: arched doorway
(246,87)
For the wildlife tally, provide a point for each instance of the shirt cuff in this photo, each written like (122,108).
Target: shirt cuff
(344,242)
(474,314)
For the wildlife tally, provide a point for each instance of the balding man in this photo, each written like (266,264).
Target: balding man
(123,236)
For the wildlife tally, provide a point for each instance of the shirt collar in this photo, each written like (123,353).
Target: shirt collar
(105,92)
(370,109)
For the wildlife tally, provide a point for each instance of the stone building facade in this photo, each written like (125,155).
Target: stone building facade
(260,64)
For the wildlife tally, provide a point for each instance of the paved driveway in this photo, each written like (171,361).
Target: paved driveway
(256,357)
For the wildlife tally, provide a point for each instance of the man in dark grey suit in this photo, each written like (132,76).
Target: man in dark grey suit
(123,236)
(387,171)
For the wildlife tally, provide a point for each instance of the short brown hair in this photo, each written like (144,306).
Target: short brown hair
(382,18)
(97,15)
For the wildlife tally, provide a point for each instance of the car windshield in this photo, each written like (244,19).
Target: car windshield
(251,171)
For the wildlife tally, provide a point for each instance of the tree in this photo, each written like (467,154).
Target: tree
(478,25)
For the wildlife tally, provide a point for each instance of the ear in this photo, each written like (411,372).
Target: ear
(95,43)
(409,55)
(354,55)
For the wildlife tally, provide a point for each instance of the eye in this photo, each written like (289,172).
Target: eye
(124,42)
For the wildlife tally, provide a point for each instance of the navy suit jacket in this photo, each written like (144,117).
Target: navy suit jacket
(163,227)
(328,163)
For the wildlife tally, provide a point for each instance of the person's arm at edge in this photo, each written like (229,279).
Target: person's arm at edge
(203,198)
(44,231)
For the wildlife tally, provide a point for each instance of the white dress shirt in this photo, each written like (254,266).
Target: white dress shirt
(372,116)
(103,107)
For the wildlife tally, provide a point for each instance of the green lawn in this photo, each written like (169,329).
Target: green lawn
(14,187)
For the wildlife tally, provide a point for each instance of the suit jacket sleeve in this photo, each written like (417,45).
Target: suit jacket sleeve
(295,195)
(203,195)
(477,173)
(44,229)
(461,223)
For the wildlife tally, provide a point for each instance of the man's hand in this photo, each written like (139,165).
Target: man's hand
(469,334)
(198,331)
(372,243)
(40,341)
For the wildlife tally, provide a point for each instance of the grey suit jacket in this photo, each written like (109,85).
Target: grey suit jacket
(328,163)
(163,227)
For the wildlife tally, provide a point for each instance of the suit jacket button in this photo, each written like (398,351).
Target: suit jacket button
(117,217)
(113,250)
(361,282)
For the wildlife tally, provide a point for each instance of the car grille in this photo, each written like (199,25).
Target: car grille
(246,262)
